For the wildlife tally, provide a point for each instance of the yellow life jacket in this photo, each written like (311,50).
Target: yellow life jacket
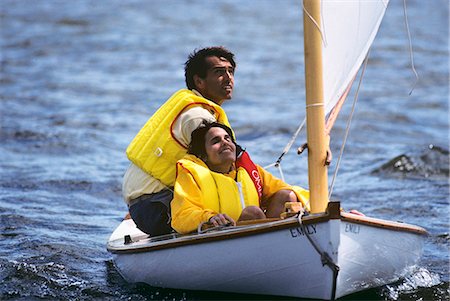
(154,149)
(219,192)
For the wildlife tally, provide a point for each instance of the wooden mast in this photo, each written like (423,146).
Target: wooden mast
(315,116)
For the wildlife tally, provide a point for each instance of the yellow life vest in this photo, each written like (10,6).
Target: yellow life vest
(154,149)
(219,192)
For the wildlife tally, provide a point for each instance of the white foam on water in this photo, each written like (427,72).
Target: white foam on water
(421,278)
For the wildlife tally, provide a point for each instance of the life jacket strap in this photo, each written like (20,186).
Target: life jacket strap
(245,162)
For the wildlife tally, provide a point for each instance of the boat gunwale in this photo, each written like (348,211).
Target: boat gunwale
(227,233)
(258,228)
(381,223)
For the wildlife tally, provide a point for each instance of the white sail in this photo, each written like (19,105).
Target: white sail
(349,28)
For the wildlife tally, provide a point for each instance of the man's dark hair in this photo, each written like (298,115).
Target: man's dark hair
(197,145)
(196,63)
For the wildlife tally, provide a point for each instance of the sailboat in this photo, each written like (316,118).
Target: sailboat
(325,254)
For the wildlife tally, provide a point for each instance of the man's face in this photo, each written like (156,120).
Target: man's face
(218,84)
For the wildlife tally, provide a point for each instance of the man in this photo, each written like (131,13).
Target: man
(148,182)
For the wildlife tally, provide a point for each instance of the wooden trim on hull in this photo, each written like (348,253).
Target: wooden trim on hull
(227,233)
(146,244)
(380,223)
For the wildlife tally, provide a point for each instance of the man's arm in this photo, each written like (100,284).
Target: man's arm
(188,121)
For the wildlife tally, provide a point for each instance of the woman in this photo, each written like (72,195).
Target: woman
(216,185)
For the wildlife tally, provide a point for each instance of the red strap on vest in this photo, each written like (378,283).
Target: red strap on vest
(245,162)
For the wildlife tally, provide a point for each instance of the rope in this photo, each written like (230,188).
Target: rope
(347,130)
(278,166)
(286,149)
(315,23)
(324,257)
(317,104)
(411,54)
(293,138)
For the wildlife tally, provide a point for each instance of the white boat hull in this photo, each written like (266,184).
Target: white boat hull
(372,257)
(275,258)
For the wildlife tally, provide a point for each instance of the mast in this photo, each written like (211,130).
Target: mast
(315,116)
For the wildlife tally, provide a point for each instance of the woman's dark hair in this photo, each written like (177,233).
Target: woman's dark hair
(197,65)
(197,145)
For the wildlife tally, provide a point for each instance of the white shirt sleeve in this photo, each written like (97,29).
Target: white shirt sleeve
(188,121)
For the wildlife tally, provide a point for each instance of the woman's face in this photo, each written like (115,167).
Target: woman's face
(220,150)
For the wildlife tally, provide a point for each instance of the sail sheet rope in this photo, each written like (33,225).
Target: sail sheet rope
(411,53)
(286,149)
(347,129)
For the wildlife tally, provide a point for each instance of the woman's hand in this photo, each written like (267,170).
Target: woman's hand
(221,220)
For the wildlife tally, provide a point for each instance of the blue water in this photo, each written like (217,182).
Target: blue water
(79,79)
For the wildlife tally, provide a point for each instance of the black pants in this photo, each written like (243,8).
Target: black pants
(151,212)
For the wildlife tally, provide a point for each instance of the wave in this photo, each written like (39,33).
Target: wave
(47,279)
(421,278)
(431,163)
